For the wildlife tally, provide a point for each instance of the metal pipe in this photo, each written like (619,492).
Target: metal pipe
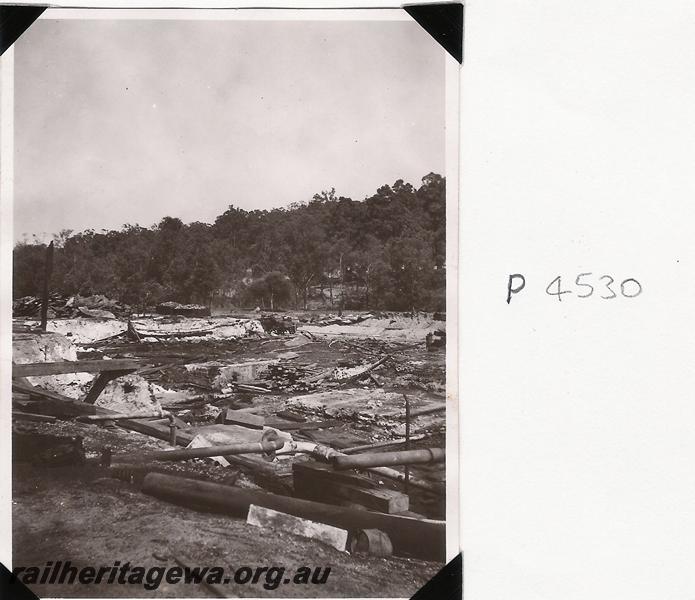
(118,416)
(398,476)
(382,459)
(384,444)
(121,416)
(262,447)
(327,454)
(419,538)
(319,451)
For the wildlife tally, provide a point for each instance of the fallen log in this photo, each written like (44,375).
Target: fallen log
(423,539)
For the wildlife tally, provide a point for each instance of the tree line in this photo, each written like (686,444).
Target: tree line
(385,252)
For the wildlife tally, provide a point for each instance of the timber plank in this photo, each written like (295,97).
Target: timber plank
(316,481)
(268,518)
(74,366)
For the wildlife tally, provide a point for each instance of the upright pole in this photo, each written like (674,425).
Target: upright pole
(46,279)
(407,440)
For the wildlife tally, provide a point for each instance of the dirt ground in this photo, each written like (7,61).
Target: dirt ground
(77,515)
(84,515)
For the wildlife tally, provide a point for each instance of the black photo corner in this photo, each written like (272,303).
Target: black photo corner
(12,588)
(444,22)
(445,585)
(14,21)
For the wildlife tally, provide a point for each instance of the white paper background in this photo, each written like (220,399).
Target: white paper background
(578,417)
(452,171)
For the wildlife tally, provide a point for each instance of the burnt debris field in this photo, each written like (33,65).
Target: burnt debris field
(283,439)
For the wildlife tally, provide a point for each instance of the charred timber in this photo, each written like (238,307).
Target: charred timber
(423,539)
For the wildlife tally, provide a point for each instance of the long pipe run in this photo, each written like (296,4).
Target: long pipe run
(385,459)
(121,416)
(419,538)
(118,416)
(189,453)
(384,444)
(328,454)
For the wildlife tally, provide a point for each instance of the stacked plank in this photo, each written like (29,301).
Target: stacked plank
(319,482)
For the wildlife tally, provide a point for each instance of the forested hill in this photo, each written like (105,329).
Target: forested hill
(385,252)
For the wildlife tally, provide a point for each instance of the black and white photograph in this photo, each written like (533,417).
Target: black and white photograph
(233,303)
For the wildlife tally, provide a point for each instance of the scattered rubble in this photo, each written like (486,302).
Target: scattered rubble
(188,310)
(277,324)
(67,306)
(50,347)
(282,401)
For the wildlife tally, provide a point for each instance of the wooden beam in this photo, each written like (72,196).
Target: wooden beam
(66,406)
(238,417)
(322,476)
(423,539)
(100,383)
(384,500)
(316,481)
(74,366)
(306,426)
(22,416)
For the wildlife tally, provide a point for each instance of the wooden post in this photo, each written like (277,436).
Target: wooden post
(407,440)
(46,280)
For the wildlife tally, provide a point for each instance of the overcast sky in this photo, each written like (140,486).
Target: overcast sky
(128,121)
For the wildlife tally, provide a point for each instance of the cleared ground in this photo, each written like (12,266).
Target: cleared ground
(79,514)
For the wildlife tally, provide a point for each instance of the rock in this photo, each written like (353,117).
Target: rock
(86,330)
(96,313)
(129,394)
(50,347)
